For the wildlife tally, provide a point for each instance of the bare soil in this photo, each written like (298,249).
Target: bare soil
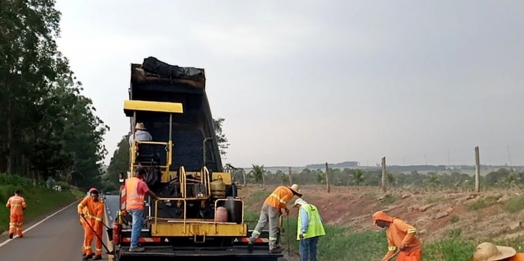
(436,213)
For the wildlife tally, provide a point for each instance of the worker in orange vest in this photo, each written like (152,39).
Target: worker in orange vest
(401,237)
(136,189)
(17,205)
(270,213)
(91,210)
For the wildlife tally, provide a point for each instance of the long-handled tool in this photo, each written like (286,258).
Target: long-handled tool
(288,237)
(394,255)
(112,252)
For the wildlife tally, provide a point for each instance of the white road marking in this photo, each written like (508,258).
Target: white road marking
(39,222)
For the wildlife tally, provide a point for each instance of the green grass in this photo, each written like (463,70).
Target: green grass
(432,200)
(482,203)
(344,244)
(39,200)
(514,205)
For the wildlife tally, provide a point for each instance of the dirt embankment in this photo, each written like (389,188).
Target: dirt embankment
(436,213)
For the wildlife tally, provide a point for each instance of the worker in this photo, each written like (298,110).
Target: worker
(17,205)
(492,252)
(270,213)
(140,134)
(91,210)
(309,228)
(83,223)
(136,189)
(401,237)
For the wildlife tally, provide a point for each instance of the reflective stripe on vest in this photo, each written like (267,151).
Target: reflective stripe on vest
(16,204)
(315,227)
(134,201)
(278,198)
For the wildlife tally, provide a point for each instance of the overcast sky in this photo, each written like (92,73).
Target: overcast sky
(302,82)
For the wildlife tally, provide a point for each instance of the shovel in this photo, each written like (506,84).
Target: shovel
(394,255)
(102,241)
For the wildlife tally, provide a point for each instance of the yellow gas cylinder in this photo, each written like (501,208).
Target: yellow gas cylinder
(218,188)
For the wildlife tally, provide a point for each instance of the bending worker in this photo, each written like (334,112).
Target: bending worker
(17,205)
(91,210)
(270,213)
(309,228)
(400,236)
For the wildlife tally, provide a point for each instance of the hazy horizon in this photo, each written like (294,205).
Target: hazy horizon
(304,82)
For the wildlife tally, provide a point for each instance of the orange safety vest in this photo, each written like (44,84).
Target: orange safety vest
(16,204)
(133,200)
(279,198)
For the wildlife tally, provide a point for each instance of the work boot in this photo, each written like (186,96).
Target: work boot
(11,236)
(276,250)
(97,257)
(86,257)
(250,244)
(137,249)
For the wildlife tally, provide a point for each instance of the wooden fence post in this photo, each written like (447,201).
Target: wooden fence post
(477,169)
(327,178)
(290,179)
(384,174)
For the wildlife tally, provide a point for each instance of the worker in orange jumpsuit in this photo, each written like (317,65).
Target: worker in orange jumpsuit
(401,237)
(94,215)
(492,252)
(83,222)
(270,213)
(17,205)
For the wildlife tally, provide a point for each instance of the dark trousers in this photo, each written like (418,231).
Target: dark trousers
(308,246)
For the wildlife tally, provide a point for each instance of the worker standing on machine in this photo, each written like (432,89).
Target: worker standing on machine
(270,213)
(136,189)
(91,210)
(16,204)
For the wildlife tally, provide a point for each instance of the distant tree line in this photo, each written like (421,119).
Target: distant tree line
(50,129)
(358,177)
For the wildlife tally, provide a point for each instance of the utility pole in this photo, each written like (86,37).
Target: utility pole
(509,156)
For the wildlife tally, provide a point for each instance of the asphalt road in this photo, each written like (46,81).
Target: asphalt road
(59,237)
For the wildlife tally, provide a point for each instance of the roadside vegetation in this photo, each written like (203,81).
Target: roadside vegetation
(488,216)
(39,198)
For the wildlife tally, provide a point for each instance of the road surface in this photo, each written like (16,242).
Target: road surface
(59,237)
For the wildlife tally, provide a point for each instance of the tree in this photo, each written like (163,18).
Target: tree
(120,160)
(358,177)
(222,141)
(55,133)
(258,173)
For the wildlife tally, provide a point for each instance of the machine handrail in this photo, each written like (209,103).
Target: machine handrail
(153,142)
(184,220)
